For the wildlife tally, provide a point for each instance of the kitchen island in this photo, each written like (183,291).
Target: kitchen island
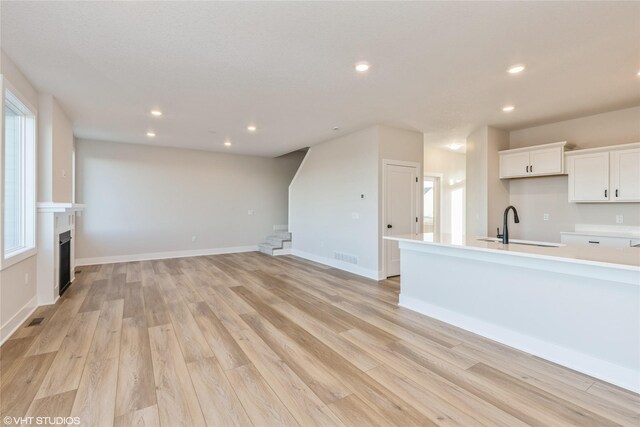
(577,306)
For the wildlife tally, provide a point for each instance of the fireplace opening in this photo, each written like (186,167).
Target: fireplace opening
(65,261)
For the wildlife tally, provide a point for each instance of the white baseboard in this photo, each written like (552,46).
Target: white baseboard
(341,265)
(163,255)
(615,374)
(14,323)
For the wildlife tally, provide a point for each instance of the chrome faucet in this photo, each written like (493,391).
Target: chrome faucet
(505,224)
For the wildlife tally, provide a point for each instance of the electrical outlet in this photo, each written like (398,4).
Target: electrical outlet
(545,217)
(619,219)
(194,238)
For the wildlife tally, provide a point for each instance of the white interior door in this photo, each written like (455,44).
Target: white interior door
(400,210)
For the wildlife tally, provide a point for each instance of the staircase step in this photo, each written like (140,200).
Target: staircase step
(267,248)
(275,241)
(278,243)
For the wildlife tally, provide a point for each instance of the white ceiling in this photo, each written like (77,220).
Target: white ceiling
(437,67)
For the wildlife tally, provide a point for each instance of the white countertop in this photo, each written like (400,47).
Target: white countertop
(625,258)
(620,234)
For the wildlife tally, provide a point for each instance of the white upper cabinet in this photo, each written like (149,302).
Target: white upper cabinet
(625,175)
(514,165)
(588,177)
(607,174)
(540,160)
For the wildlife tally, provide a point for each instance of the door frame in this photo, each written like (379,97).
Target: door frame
(437,202)
(418,204)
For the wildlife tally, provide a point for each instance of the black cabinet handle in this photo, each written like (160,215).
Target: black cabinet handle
(594,242)
(616,192)
(531,168)
(605,193)
(389,226)
(527,169)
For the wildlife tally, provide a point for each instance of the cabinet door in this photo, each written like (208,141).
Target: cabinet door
(546,162)
(514,165)
(602,241)
(589,177)
(625,175)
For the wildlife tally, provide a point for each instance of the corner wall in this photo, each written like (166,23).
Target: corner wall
(476,189)
(55,152)
(328,213)
(486,195)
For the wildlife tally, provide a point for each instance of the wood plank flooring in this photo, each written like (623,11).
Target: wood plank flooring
(248,339)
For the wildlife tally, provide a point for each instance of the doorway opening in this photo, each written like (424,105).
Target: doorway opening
(431,204)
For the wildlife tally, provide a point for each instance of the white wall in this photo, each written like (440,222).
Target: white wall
(55,178)
(149,200)
(497,189)
(451,165)
(534,197)
(18,282)
(486,195)
(476,188)
(327,192)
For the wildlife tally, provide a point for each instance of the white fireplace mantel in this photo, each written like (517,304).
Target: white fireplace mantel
(53,219)
(59,207)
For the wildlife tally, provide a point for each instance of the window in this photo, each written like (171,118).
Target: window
(18,180)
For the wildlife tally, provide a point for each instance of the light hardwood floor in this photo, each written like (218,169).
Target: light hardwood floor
(248,339)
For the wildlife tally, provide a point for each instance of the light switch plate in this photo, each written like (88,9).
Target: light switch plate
(545,217)
(619,219)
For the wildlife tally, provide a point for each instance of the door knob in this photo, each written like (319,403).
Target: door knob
(389,226)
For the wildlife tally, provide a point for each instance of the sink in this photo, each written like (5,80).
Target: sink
(522,242)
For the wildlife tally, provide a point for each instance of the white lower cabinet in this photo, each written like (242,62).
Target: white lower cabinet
(597,240)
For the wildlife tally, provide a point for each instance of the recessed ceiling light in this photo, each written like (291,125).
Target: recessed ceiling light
(638,73)
(151,134)
(156,112)
(508,108)
(362,67)
(515,69)
(227,143)
(251,128)
(455,146)
(336,128)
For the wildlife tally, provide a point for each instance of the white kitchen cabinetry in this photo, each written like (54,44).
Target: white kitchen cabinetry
(607,174)
(625,175)
(540,160)
(597,239)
